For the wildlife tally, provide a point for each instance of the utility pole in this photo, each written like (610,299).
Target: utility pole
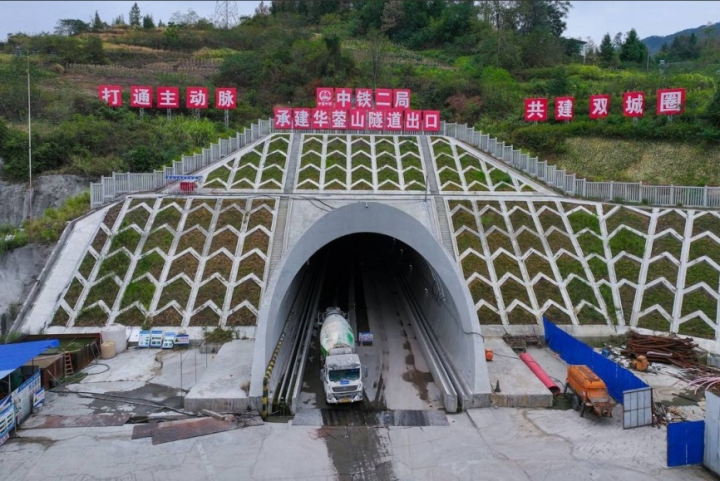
(29,137)
(226,14)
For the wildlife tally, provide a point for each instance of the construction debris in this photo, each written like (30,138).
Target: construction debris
(680,352)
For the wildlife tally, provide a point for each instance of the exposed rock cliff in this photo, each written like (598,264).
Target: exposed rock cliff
(50,191)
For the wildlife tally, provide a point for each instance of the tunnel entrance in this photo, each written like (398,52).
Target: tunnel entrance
(386,269)
(360,278)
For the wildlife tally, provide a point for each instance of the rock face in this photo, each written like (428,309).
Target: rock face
(18,271)
(50,191)
(20,268)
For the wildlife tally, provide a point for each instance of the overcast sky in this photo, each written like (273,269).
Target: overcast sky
(586,18)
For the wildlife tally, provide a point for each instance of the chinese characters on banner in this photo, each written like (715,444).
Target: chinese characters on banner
(599,106)
(536,110)
(633,104)
(338,109)
(110,94)
(564,108)
(669,102)
(342,98)
(357,119)
(141,96)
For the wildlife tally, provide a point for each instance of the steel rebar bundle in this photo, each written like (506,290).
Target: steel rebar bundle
(672,349)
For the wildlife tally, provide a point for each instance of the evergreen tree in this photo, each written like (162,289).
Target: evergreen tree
(94,52)
(632,49)
(135,15)
(97,23)
(607,51)
(148,22)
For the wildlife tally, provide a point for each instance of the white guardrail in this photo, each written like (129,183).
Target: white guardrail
(118,184)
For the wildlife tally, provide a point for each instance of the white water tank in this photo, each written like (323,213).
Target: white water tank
(118,334)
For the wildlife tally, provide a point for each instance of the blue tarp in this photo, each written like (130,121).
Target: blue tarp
(616,378)
(12,356)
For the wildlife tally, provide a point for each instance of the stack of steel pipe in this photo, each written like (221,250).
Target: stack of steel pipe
(674,350)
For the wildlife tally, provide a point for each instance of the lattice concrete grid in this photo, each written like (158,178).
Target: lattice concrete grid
(174,261)
(525,251)
(580,262)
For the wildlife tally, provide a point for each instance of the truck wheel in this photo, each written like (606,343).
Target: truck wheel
(575,402)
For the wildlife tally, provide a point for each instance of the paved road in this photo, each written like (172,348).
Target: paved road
(492,443)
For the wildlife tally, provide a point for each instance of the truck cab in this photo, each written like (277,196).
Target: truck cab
(342,378)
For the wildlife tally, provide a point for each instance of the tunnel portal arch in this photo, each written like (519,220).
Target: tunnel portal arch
(460,336)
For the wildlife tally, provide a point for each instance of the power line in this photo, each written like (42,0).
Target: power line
(226,14)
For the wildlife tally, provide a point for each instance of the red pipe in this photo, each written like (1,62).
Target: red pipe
(540,373)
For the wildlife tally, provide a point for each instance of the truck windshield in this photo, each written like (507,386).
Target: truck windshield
(344,375)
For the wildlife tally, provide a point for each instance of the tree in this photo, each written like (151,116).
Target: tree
(712,112)
(607,51)
(262,9)
(94,52)
(632,49)
(97,23)
(378,46)
(119,20)
(188,19)
(134,15)
(147,22)
(71,26)
(617,40)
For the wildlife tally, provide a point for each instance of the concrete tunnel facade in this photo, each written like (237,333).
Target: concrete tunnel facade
(453,320)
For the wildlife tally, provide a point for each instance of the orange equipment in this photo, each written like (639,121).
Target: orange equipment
(640,363)
(589,391)
(489,354)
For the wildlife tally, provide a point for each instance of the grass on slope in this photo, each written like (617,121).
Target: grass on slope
(631,161)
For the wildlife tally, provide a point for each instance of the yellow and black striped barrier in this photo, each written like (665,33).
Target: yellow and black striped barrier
(266,378)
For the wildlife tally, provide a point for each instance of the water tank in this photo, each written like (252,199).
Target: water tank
(107,349)
(118,334)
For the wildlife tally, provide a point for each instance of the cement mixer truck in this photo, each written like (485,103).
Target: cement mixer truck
(340,368)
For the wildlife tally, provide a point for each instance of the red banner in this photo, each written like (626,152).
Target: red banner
(282,118)
(110,94)
(564,108)
(383,98)
(670,101)
(413,120)
(431,120)
(168,97)
(394,120)
(599,106)
(196,97)
(358,119)
(141,96)
(536,110)
(363,98)
(301,118)
(324,96)
(225,98)
(320,119)
(343,98)
(338,119)
(401,99)
(634,104)
(376,119)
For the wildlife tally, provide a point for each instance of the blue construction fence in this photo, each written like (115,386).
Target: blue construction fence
(685,443)
(616,378)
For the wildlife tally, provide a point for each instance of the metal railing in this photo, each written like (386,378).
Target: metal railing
(118,184)
(670,195)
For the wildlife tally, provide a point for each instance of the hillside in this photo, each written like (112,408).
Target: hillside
(654,42)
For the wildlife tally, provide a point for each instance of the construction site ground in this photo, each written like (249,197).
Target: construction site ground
(489,443)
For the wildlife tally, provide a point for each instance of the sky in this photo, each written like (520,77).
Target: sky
(586,18)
